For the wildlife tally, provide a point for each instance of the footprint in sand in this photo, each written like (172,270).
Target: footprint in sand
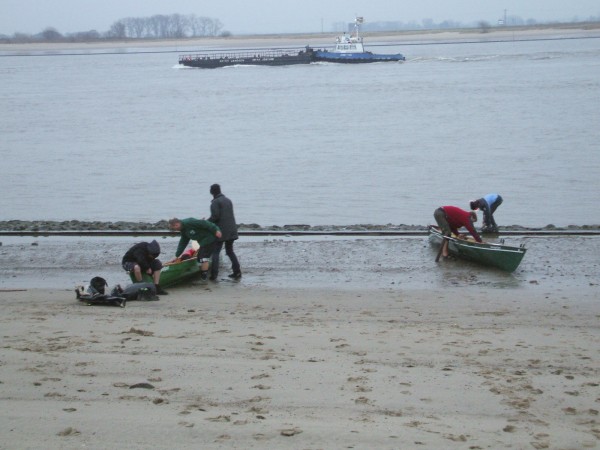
(356,379)
(70,431)
(219,419)
(291,432)
(141,386)
(258,410)
(53,395)
(260,376)
(223,437)
(362,389)
(459,438)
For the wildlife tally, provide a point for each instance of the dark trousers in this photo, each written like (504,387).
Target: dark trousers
(440,217)
(235,264)
(488,219)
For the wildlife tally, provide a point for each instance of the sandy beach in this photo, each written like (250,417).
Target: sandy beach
(368,344)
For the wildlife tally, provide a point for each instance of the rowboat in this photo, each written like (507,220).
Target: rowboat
(504,257)
(174,273)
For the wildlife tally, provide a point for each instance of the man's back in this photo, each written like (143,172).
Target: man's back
(222,215)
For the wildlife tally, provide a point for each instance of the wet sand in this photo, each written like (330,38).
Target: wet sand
(325,343)
(329,262)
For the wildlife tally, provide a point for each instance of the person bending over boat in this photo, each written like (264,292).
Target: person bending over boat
(202,231)
(221,214)
(488,204)
(143,258)
(450,219)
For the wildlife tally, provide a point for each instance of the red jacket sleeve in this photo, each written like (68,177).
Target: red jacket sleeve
(469,226)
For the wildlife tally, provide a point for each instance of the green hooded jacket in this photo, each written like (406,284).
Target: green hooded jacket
(198,230)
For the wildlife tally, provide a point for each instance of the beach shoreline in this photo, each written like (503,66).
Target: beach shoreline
(161,227)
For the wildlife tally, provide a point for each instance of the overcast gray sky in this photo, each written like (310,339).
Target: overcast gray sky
(273,16)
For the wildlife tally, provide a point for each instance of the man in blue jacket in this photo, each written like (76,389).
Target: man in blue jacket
(488,205)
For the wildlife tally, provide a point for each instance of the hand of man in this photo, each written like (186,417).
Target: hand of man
(218,234)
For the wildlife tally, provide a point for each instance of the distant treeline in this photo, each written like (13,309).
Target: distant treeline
(174,26)
(178,26)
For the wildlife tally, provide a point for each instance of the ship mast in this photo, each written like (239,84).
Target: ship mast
(357,22)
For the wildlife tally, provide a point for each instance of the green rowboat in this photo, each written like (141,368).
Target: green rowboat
(175,273)
(504,257)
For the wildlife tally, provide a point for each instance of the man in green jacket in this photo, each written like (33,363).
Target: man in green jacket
(202,231)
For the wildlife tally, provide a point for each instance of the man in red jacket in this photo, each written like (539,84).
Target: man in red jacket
(450,219)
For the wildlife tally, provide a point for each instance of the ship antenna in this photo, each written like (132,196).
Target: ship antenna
(357,22)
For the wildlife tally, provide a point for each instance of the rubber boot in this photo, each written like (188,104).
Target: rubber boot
(159,290)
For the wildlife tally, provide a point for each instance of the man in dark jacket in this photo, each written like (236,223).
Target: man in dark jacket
(221,214)
(141,259)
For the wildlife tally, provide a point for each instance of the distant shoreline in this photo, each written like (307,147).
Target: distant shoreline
(558,31)
(11,227)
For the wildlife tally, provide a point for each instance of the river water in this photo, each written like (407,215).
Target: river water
(137,137)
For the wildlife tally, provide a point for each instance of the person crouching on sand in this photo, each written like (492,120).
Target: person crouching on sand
(143,258)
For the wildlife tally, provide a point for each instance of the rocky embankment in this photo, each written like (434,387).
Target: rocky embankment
(77,225)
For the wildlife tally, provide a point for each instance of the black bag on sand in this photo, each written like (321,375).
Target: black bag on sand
(139,291)
(95,294)
(97,285)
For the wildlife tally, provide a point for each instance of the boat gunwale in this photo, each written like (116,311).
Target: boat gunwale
(178,272)
(479,245)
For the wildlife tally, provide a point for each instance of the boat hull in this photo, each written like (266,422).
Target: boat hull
(175,273)
(356,58)
(503,257)
(260,58)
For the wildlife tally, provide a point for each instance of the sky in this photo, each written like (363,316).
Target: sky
(284,16)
